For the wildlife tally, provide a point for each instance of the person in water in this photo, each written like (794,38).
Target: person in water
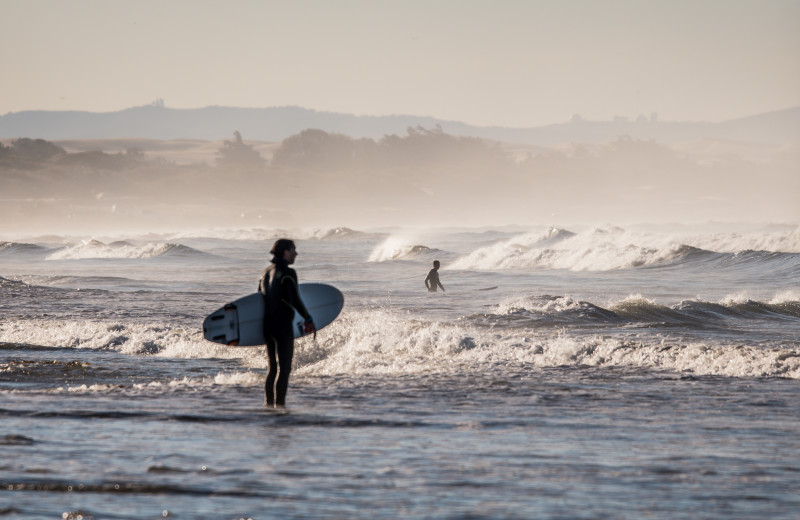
(432,280)
(278,284)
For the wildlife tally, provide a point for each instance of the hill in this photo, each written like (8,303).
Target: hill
(278,123)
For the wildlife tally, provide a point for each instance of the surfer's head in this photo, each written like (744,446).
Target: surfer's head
(436,264)
(281,247)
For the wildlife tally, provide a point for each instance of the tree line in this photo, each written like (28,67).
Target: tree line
(420,150)
(33,154)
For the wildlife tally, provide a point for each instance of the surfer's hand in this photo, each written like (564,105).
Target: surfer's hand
(309,327)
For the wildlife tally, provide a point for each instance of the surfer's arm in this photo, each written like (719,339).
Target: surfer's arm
(292,298)
(293,295)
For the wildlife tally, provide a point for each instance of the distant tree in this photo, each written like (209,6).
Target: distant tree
(36,149)
(98,160)
(419,149)
(237,154)
(636,149)
(134,154)
(435,147)
(314,148)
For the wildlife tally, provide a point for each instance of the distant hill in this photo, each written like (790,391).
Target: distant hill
(275,124)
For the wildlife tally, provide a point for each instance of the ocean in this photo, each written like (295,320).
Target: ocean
(566,373)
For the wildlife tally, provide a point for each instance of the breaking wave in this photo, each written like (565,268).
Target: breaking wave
(560,310)
(337,233)
(400,248)
(776,263)
(11,285)
(615,248)
(264,234)
(17,248)
(379,341)
(94,249)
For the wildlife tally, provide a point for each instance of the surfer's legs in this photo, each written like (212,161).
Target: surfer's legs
(280,350)
(285,354)
(272,372)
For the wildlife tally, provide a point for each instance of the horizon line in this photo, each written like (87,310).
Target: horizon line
(159,104)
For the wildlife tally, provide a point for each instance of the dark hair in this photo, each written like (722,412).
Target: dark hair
(435,263)
(280,246)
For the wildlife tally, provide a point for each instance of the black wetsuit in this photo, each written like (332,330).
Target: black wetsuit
(278,284)
(433,277)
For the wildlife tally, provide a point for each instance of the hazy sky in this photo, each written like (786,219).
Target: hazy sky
(495,62)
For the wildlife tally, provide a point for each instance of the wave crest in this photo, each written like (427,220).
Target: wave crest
(20,248)
(543,311)
(379,341)
(94,249)
(337,233)
(399,248)
(613,248)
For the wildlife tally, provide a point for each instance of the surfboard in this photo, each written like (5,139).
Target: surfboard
(241,322)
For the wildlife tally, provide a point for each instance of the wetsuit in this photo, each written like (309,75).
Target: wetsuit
(278,284)
(433,277)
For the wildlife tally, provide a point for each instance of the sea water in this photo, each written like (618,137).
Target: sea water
(566,373)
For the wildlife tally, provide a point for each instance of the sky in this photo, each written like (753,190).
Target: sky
(490,63)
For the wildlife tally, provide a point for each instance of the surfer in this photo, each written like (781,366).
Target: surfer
(278,284)
(432,280)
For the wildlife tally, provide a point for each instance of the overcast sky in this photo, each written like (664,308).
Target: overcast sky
(508,63)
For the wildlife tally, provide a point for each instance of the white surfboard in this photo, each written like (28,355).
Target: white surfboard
(241,322)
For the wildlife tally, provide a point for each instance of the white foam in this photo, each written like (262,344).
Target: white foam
(395,247)
(537,304)
(786,296)
(93,249)
(784,241)
(239,379)
(612,248)
(87,389)
(734,299)
(599,249)
(128,338)
(190,384)
(266,234)
(379,341)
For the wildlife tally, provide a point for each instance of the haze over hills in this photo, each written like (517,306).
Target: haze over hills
(157,121)
(156,168)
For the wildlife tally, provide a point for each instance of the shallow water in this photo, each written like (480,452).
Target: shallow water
(595,374)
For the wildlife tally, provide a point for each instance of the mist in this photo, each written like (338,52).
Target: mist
(424,177)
